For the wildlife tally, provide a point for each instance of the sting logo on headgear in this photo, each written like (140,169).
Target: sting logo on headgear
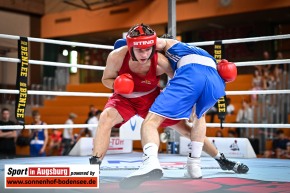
(143,43)
(141,36)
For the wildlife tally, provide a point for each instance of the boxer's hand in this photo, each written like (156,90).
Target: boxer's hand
(124,84)
(227,70)
(120,43)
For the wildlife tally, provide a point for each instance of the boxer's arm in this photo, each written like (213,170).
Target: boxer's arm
(113,65)
(160,44)
(9,134)
(163,44)
(164,66)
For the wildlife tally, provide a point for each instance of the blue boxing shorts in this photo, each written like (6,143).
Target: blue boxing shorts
(192,84)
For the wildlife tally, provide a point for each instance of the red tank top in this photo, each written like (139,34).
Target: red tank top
(146,83)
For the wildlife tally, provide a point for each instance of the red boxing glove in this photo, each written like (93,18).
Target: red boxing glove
(227,70)
(124,84)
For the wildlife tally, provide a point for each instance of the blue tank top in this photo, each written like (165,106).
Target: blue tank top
(177,51)
(39,134)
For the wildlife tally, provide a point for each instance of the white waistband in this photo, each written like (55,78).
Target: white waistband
(196,59)
(34,141)
(137,94)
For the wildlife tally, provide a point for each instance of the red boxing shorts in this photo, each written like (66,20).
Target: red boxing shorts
(128,107)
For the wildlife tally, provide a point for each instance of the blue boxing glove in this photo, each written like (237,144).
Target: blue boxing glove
(120,43)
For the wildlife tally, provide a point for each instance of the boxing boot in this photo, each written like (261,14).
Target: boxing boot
(148,171)
(193,168)
(226,164)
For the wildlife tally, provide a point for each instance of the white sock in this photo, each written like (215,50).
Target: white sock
(196,148)
(150,149)
(218,156)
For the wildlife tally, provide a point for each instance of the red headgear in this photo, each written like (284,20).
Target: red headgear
(141,36)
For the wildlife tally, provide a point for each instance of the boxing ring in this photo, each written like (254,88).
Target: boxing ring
(264,175)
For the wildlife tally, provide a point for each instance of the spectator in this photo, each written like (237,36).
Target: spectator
(68,139)
(245,115)
(282,67)
(288,151)
(231,133)
(269,81)
(280,144)
(94,120)
(230,107)
(257,84)
(262,68)
(212,112)
(55,142)
(219,133)
(278,71)
(39,137)
(266,56)
(7,137)
(86,130)
(91,112)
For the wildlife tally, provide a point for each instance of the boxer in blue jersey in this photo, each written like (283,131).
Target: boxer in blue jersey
(196,85)
(196,82)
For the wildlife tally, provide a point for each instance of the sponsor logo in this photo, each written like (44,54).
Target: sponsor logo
(133,126)
(51,176)
(234,146)
(146,82)
(143,43)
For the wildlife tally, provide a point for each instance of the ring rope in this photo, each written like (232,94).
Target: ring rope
(60,42)
(242,40)
(51,126)
(59,64)
(68,126)
(205,43)
(251,92)
(262,62)
(93,94)
(57,93)
(90,67)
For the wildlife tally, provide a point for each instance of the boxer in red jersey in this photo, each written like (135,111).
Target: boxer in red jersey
(140,64)
(144,68)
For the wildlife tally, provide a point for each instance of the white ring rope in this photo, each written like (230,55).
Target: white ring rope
(205,43)
(59,64)
(70,126)
(242,40)
(90,67)
(52,126)
(262,62)
(57,93)
(249,125)
(251,92)
(60,42)
(93,94)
